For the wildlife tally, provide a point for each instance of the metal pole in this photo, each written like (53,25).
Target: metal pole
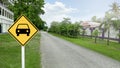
(23,56)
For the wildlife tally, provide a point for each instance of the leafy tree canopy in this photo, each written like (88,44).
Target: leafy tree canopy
(31,8)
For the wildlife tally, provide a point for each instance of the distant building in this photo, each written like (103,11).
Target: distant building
(94,25)
(90,26)
(6,18)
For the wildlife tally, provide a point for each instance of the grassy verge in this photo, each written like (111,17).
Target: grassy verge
(10,52)
(113,50)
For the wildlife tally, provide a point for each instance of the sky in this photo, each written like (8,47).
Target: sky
(76,10)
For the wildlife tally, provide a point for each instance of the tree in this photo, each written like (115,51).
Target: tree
(115,12)
(96,33)
(54,27)
(116,22)
(65,28)
(103,27)
(106,25)
(116,25)
(91,30)
(77,28)
(83,32)
(31,8)
(94,19)
(74,29)
(65,24)
(115,8)
(45,28)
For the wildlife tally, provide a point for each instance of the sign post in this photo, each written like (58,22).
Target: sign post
(23,56)
(23,30)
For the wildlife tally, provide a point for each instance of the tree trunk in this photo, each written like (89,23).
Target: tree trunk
(83,32)
(91,32)
(95,39)
(119,37)
(108,36)
(103,33)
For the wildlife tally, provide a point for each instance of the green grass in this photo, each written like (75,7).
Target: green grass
(113,50)
(10,52)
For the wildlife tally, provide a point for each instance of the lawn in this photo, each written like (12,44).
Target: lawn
(113,50)
(10,52)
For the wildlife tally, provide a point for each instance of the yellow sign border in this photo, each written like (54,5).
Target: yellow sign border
(29,22)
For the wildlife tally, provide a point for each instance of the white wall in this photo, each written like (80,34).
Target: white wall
(6,20)
(113,32)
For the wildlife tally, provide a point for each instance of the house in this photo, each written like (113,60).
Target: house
(6,18)
(90,26)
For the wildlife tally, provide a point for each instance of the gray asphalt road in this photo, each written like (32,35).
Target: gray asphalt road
(58,53)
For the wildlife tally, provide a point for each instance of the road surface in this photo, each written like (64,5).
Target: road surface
(58,53)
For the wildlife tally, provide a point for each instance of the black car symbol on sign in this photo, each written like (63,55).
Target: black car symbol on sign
(22,29)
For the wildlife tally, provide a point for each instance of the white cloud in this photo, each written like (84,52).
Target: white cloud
(56,12)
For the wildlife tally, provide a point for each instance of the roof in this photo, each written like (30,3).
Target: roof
(90,24)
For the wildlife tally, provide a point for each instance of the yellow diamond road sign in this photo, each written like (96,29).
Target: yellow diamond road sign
(23,30)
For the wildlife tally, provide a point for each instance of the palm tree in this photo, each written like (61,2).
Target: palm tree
(106,25)
(115,8)
(116,13)
(103,27)
(116,25)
